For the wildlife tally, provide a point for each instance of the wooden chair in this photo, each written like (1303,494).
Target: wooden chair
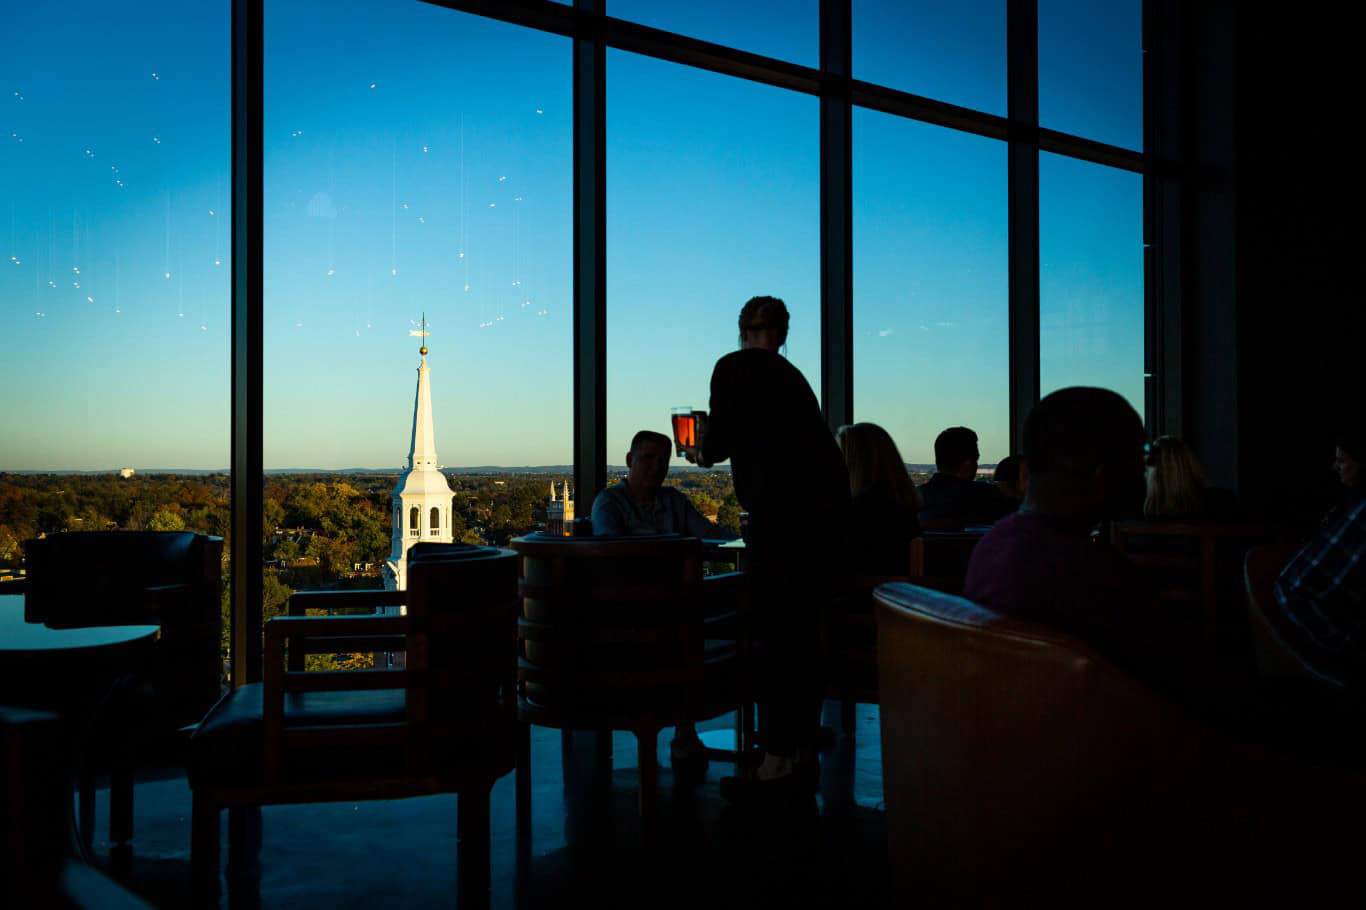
(444,723)
(619,634)
(1189,561)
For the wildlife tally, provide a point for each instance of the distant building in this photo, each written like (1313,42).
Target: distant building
(559,515)
(422,499)
(126,473)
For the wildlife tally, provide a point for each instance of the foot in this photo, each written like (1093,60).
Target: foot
(777,780)
(688,758)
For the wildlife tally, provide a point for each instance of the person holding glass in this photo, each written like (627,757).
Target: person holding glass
(790,477)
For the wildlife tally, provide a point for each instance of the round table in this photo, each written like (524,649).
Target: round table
(68,671)
(32,643)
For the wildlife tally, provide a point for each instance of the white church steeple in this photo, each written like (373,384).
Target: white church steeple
(422,498)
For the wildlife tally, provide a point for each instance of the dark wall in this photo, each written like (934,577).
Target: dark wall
(1275,327)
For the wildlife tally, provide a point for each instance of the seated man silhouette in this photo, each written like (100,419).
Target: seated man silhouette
(1083,448)
(641,504)
(1321,593)
(953,499)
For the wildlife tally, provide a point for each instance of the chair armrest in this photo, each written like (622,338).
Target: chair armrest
(280,627)
(361,599)
(160,596)
(14,586)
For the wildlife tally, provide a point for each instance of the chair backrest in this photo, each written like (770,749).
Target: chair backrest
(1193,561)
(463,604)
(95,577)
(1001,739)
(944,558)
(603,615)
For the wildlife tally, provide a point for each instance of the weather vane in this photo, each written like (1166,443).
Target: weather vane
(421,333)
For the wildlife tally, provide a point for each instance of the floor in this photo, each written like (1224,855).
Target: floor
(585,849)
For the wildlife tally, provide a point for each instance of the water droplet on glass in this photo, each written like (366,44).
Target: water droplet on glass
(493,205)
(52,284)
(203,328)
(373,84)
(156,140)
(426,149)
(218,262)
(90,153)
(89,299)
(76,285)
(168,276)
(403,205)
(212,212)
(502,179)
(75,270)
(540,110)
(393,272)
(516,198)
(331,272)
(467,287)
(421,220)
(295,134)
(299,324)
(156,76)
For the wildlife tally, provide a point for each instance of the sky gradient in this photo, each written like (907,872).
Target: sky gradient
(418,160)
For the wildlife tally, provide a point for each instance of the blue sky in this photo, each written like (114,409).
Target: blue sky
(453,170)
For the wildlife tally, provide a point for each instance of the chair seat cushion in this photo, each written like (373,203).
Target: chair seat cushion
(228,747)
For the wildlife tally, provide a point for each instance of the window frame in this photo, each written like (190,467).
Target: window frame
(592,30)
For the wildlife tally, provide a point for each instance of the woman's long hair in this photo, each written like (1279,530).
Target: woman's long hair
(875,465)
(1176,480)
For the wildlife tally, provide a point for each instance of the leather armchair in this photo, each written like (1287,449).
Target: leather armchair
(104,578)
(1016,759)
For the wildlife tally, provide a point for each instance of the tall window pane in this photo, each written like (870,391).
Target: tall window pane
(114,163)
(931,284)
(954,52)
(786,29)
(1090,277)
(713,197)
(417,180)
(1091,69)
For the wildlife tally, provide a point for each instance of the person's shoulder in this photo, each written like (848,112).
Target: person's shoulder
(612,496)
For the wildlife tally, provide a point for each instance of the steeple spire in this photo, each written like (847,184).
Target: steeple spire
(422,451)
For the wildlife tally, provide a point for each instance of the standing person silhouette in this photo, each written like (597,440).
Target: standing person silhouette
(791,478)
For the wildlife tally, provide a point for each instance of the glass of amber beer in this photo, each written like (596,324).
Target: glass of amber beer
(685,429)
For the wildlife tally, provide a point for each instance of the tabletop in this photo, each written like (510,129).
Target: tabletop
(19,638)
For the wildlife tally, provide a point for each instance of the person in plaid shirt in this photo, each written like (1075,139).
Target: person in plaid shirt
(1322,591)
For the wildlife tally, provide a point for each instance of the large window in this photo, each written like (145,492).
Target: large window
(713,198)
(417,179)
(476,172)
(1090,277)
(114,182)
(931,284)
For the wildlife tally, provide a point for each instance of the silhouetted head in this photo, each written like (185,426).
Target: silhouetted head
(1176,480)
(763,324)
(1009,477)
(647,464)
(1351,451)
(875,465)
(956,453)
(1084,451)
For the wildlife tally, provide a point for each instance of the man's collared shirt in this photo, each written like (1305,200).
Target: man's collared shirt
(617,514)
(1322,594)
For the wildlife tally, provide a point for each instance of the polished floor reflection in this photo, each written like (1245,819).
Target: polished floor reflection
(584,842)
